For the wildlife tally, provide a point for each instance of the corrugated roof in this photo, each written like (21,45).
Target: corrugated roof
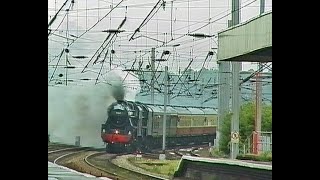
(210,111)
(209,94)
(196,111)
(159,109)
(182,110)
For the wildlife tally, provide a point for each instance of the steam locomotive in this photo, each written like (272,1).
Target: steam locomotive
(132,126)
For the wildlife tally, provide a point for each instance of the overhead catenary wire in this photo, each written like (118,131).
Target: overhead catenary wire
(145,21)
(55,16)
(132,48)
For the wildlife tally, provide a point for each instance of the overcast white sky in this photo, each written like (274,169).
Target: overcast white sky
(172,21)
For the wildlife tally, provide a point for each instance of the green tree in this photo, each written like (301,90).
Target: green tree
(225,134)
(246,118)
(266,121)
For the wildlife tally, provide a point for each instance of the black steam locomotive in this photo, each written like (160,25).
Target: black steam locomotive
(133,125)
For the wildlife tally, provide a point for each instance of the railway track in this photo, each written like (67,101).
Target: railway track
(57,146)
(53,155)
(174,154)
(98,163)
(103,162)
(94,162)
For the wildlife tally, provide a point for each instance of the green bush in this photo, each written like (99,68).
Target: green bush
(246,126)
(267,156)
(156,169)
(217,153)
(171,171)
(225,134)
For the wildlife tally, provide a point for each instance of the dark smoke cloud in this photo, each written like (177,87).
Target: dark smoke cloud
(118,91)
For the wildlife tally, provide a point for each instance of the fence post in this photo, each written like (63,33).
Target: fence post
(77,143)
(255,142)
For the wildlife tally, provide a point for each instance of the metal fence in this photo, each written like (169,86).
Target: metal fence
(257,142)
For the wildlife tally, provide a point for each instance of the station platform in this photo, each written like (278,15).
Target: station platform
(211,168)
(234,162)
(56,172)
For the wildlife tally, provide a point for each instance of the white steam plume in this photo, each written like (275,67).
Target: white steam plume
(77,111)
(80,110)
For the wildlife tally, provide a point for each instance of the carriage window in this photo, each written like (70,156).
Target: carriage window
(156,125)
